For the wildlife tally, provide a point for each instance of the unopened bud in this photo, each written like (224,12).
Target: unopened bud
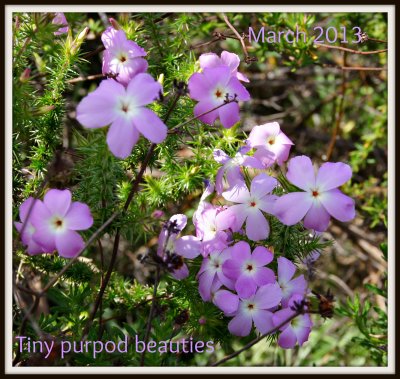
(25,75)
(45,109)
(79,40)
(114,23)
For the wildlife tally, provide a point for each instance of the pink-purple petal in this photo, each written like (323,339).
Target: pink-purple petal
(257,227)
(264,275)
(262,184)
(245,286)
(268,296)
(121,137)
(263,321)
(69,244)
(332,175)
(286,270)
(338,205)
(262,256)
(143,89)
(226,301)
(150,125)
(301,172)
(292,207)
(57,201)
(317,218)
(188,246)
(229,114)
(240,325)
(79,216)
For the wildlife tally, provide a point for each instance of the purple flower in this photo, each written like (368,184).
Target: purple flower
(290,286)
(122,57)
(56,221)
(271,143)
(251,204)
(211,271)
(211,88)
(256,309)
(211,60)
(60,19)
(26,237)
(321,198)
(171,248)
(295,331)
(124,109)
(231,167)
(211,227)
(247,269)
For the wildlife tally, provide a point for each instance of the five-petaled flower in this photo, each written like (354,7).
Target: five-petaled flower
(124,109)
(56,220)
(122,57)
(217,88)
(251,203)
(321,198)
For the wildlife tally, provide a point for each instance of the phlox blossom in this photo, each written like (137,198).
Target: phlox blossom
(124,110)
(251,204)
(320,198)
(60,19)
(122,57)
(212,88)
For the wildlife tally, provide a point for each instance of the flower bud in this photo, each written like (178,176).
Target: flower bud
(25,75)
(114,23)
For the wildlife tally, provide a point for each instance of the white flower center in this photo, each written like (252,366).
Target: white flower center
(58,224)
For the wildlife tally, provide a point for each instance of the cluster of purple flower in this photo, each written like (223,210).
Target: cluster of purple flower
(232,276)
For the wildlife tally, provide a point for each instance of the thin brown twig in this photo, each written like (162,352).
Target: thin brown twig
(359,68)
(336,130)
(247,58)
(256,340)
(84,78)
(350,50)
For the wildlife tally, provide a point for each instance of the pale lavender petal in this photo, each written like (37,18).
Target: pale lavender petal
(245,286)
(265,156)
(317,218)
(217,76)
(231,268)
(40,214)
(79,216)
(264,275)
(220,156)
(98,108)
(286,270)
(241,251)
(202,111)
(209,60)
(224,221)
(239,213)
(143,89)
(57,201)
(260,133)
(267,203)
(338,205)
(242,77)
(69,244)
(127,71)
(262,256)
(287,339)
(219,186)
(261,185)
(188,246)
(150,125)
(332,175)
(301,172)
(238,193)
(180,221)
(121,137)
(252,162)
(226,301)
(230,59)
(301,334)
(233,175)
(263,320)
(234,87)
(181,273)
(282,316)
(199,89)
(240,325)
(257,227)
(229,114)
(268,296)
(44,237)
(25,207)
(291,208)
(205,282)
(108,37)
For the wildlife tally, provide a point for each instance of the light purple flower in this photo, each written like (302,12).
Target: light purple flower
(290,286)
(211,60)
(256,309)
(250,204)
(211,227)
(169,245)
(211,271)
(295,331)
(321,198)
(124,109)
(60,19)
(271,143)
(211,89)
(247,269)
(122,57)
(28,231)
(231,167)
(56,221)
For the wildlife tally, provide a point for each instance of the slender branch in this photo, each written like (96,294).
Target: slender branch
(247,57)
(358,68)
(149,320)
(256,340)
(84,78)
(339,117)
(174,129)
(350,50)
